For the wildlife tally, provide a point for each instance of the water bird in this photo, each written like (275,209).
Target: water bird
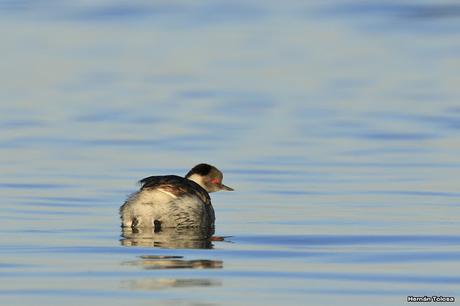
(172,201)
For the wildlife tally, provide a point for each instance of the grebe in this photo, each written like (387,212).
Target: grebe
(174,201)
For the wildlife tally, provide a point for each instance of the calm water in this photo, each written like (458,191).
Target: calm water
(337,122)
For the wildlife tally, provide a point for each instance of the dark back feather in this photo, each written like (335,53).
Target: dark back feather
(176,185)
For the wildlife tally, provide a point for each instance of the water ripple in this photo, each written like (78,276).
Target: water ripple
(332,240)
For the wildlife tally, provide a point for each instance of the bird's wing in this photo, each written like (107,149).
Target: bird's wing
(176,185)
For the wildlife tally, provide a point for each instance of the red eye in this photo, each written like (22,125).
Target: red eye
(215,181)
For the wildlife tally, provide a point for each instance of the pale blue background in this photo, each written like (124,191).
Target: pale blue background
(337,122)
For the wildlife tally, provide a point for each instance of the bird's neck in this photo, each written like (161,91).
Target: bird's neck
(197,179)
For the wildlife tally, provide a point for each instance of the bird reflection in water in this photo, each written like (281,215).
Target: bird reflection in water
(160,262)
(164,283)
(170,238)
(173,238)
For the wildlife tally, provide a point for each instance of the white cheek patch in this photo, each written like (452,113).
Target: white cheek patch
(197,179)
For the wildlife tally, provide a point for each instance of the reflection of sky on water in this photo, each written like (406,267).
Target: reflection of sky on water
(402,10)
(336,121)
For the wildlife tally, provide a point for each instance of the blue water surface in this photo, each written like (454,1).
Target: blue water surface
(337,123)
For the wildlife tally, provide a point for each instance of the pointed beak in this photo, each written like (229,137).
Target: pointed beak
(223,187)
